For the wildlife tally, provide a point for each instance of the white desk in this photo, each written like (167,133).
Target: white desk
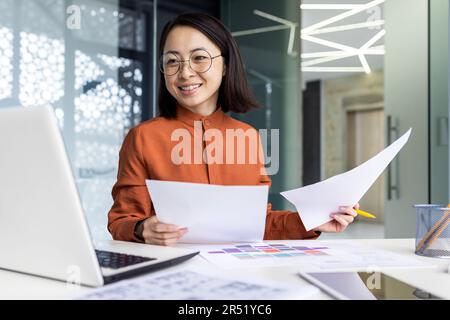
(435,280)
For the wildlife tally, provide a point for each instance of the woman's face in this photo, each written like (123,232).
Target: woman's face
(194,90)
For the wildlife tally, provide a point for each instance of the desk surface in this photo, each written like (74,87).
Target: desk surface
(435,280)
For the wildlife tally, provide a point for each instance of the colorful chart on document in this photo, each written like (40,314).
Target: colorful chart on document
(262,254)
(310,255)
(271,250)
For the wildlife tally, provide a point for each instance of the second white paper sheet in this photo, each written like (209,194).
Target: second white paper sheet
(212,213)
(317,201)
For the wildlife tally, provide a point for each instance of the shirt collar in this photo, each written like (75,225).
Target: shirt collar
(188,117)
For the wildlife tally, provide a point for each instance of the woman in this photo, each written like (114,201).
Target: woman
(202,77)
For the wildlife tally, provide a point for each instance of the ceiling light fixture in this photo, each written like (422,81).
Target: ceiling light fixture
(364,63)
(347,27)
(259,30)
(343,51)
(333,69)
(379,50)
(285,22)
(308,6)
(328,43)
(342,16)
(374,39)
(326,59)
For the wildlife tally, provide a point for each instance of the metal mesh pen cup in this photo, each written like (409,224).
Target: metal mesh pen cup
(432,230)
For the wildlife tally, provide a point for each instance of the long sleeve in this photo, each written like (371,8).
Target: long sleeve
(131,199)
(284,224)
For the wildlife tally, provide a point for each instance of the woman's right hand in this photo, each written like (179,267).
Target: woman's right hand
(156,232)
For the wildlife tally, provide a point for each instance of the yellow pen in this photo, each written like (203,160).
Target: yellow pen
(365,214)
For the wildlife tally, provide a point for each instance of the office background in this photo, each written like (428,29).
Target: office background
(338,96)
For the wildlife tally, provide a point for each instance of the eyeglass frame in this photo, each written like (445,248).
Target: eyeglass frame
(180,62)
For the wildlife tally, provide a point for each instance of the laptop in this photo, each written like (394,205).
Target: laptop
(43,229)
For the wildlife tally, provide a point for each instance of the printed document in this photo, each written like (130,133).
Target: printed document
(317,201)
(306,255)
(190,284)
(212,213)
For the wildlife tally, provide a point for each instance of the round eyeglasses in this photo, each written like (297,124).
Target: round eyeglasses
(199,61)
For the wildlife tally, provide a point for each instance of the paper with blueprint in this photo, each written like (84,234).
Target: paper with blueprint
(316,202)
(212,213)
(194,284)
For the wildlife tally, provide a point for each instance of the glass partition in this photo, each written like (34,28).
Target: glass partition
(88,60)
(439,101)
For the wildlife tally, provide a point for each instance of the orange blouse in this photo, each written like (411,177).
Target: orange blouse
(146,153)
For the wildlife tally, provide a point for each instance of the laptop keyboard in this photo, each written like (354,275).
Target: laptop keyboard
(115,260)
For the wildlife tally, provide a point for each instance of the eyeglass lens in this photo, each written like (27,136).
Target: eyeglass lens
(199,61)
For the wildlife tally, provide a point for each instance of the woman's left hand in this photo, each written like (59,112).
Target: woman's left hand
(340,221)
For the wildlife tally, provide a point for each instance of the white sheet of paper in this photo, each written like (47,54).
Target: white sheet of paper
(317,201)
(306,255)
(192,284)
(212,213)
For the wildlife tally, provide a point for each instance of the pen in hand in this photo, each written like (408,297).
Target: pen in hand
(365,214)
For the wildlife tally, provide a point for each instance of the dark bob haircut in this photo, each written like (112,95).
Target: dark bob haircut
(234,92)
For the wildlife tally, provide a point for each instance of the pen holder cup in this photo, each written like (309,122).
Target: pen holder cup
(432,230)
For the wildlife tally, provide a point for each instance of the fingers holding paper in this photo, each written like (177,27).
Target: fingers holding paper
(341,220)
(157,232)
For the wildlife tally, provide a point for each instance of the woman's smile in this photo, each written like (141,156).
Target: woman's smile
(189,90)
